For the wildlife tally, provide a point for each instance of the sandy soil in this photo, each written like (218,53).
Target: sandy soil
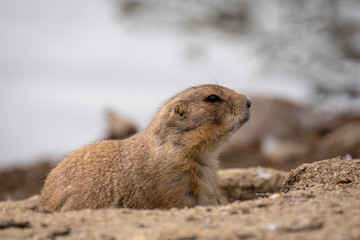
(317,201)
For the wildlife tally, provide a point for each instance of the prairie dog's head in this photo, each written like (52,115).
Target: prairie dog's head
(207,113)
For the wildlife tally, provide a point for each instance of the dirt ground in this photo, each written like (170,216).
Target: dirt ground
(320,200)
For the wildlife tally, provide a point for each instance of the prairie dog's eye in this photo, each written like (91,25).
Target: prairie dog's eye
(213,98)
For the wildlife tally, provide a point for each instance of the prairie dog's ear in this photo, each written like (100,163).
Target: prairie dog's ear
(179,111)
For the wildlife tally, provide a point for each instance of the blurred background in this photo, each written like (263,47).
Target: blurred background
(74,72)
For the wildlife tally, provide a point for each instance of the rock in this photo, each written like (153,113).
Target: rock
(246,184)
(342,140)
(20,183)
(118,126)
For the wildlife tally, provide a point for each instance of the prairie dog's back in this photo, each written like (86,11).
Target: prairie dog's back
(92,177)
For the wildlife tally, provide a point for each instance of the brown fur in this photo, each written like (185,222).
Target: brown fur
(172,163)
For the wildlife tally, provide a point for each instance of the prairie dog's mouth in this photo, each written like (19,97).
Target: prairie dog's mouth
(242,118)
(246,116)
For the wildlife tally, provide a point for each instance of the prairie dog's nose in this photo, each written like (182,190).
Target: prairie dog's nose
(247,101)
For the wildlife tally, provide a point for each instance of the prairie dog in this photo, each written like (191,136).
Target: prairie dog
(172,163)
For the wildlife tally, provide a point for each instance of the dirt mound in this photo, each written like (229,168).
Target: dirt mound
(321,201)
(327,174)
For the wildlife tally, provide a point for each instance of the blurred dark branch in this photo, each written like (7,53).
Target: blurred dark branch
(343,32)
